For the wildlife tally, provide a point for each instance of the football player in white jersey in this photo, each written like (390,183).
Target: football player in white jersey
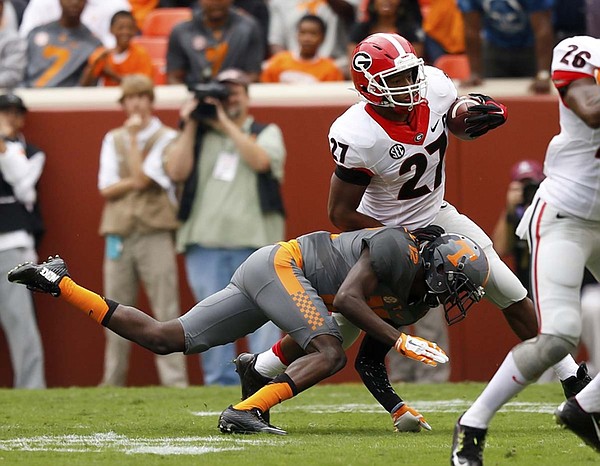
(562,227)
(390,170)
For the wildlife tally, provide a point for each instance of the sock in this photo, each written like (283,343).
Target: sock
(589,397)
(566,367)
(87,301)
(279,353)
(281,389)
(506,383)
(268,364)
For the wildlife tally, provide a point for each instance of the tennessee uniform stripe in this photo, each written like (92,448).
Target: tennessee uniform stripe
(284,256)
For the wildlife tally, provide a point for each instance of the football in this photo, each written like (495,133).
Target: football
(457,114)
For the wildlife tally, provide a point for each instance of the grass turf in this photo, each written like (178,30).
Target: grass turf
(327,425)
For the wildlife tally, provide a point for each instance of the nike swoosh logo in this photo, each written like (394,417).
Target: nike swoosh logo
(517,381)
(435,126)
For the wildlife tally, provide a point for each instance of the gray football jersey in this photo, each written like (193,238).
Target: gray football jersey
(56,56)
(195,49)
(327,259)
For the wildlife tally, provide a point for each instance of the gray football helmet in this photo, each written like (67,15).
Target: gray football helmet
(456,270)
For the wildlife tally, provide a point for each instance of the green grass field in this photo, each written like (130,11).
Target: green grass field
(327,425)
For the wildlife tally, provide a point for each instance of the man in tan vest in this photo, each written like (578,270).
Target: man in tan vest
(138,223)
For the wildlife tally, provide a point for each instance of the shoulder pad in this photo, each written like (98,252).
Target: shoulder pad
(354,127)
(441,91)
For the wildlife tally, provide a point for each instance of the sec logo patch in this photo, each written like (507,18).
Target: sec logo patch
(397,151)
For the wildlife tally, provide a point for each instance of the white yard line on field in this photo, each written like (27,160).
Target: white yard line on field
(100,442)
(444,406)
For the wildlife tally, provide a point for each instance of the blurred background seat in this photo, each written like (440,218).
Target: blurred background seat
(455,65)
(161,21)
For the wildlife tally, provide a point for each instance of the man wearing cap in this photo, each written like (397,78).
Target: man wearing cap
(231,166)
(138,223)
(21,166)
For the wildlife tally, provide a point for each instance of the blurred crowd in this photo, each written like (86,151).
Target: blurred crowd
(58,43)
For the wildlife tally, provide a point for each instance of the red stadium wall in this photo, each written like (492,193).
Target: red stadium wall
(477,175)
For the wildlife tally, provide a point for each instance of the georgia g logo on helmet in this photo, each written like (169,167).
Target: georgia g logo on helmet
(362,61)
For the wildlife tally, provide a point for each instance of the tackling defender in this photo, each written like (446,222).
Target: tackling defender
(562,227)
(390,170)
(375,278)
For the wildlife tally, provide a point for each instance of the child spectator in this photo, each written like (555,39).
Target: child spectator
(108,66)
(306,66)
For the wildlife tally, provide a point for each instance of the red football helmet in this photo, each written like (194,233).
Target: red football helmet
(376,59)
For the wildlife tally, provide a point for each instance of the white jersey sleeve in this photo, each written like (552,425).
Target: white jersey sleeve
(572,164)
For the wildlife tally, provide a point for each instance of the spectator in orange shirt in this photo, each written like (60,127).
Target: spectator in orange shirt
(141,8)
(444,30)
(307,66)
(108,66)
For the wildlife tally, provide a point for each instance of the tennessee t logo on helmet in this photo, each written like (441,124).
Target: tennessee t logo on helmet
(456,270)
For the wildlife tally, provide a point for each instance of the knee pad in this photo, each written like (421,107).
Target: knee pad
(534,356)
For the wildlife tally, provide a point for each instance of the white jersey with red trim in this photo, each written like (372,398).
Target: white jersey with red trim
(405,161)
(572,164)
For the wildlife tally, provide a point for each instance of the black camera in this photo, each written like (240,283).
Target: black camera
(212,89)
(529,190)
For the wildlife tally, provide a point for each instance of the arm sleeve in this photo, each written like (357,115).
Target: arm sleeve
(271,140)
(353,176)
(13,63)
(20,172)
(276,25)
(153,166)
(176,57)
(370,365)
(255,49)
(109,168)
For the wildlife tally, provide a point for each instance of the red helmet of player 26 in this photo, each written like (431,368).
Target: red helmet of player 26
(381,56)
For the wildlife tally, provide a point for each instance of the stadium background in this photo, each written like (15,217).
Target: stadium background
(69,125)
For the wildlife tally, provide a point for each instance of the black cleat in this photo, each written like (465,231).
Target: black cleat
(43,277)
(574,384)
(586,425)
(467,445)
(235,421)
(250,380)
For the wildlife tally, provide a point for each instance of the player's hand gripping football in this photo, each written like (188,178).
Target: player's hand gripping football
(421,350)
(407,419)
(490,115)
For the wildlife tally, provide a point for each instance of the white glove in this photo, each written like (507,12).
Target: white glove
(420,350)
(407,419)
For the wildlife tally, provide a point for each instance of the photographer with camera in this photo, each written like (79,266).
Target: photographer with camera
(231,167)
(526,177)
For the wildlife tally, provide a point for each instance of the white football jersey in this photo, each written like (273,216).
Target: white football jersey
(405,161)
(572,164)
